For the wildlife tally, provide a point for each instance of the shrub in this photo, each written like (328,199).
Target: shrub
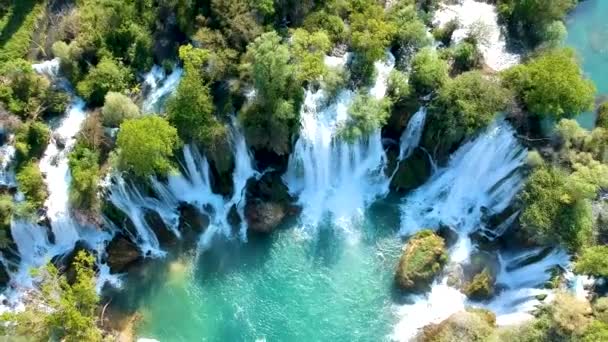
(429,72)
(365,115)
(331,24)
(593,261)
(106,76)
(84,167)
(308,50)
(32,185)
(142,153)
(539,85)
(602,116)
(117,108)
(31,141)
(466,57)
(7,208)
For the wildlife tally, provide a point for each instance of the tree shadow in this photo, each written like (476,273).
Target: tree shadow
(20,10)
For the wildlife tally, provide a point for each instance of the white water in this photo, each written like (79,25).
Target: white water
(193,186)
(331,176)
(470,14)
(7,174)
(481,176)
(410,139)
(161,87)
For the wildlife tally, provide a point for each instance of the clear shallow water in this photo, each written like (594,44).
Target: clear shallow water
(588,35)
(293,286)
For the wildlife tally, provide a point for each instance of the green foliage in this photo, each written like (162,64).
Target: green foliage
(593,261)
(467,104)
(84,167)
(398,87)
(539,84)
(466,57)
(237,20)
(271,118)
(191,109)
(308,50)
(534,20)
(31,140)
(371,32)
(143,153)
(28,94)
(556,206)
(600,309)
(596,331)
(411,32)
(331,24)
(602,116)
(444,34)
(59,311)
(365,115)
(429,72)
(421,260)
(31,184)
(106,76)
(481,286)
(17,28)
(472,325)
(117,108)
(7,208)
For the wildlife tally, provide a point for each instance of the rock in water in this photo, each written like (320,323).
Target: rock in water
(412,172)
(481,287)
(469,325)
(264,217)
(423,258)
(122,254)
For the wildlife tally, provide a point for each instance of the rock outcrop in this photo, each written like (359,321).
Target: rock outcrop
(122,254)
(423,258)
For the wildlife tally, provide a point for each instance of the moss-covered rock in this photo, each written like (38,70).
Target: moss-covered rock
(481,287)
(471,325)
(412,172)
(423,258)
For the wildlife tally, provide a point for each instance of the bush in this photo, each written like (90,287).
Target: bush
(539,85)
(602,116)
(117,108)
(429,72)
(84,167)
(472,325)
(481,287)
(600,309)
(371,33)
(398,87)
(59,310)
(31,141)
(331,24)
(308,50)
(106,76)
(466,57)
(444,34)
(365,115)
(7,208)
(142,153)
(593,261)
(32,185)
(422,259)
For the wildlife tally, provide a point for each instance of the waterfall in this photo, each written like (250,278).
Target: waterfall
(331,176)
(32,240)
(193,186)
(480,17)
(7,174)
(161,86)
(482,177)
(410,139)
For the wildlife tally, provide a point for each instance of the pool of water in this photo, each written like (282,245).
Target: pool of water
(588,35)
(296,285)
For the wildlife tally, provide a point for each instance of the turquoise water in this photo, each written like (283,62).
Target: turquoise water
(588,35)
(296,285)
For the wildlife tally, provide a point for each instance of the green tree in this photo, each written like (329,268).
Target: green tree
(31,184)
(272,116)
(59,310)
(469,102)
(309,50)
(593,261)
(429,72)
(31,140)
(84,167)
(237,20)
(332,24)
(146,145)
(117,108)
(365,115)
(191,109)
(371,33)
(106,76)
(539,84)
(7,208)
(602,116)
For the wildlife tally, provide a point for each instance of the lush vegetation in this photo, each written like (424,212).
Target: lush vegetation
(421,261)
(59,310)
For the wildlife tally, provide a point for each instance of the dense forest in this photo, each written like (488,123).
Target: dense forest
(248,67)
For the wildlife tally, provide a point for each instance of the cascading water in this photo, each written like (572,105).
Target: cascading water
(33,242)
(481,178)
(7,174)
(483,18)
(192,186)
(330,175)
(161,86)
(410,139)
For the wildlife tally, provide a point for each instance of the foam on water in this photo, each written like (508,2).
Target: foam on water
(473,15)
(161,86)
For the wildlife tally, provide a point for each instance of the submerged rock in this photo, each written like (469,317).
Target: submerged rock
(4,277)
(264,217)
(165,236)
(470,325)
(423,258)
(191,221)
(122,254)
